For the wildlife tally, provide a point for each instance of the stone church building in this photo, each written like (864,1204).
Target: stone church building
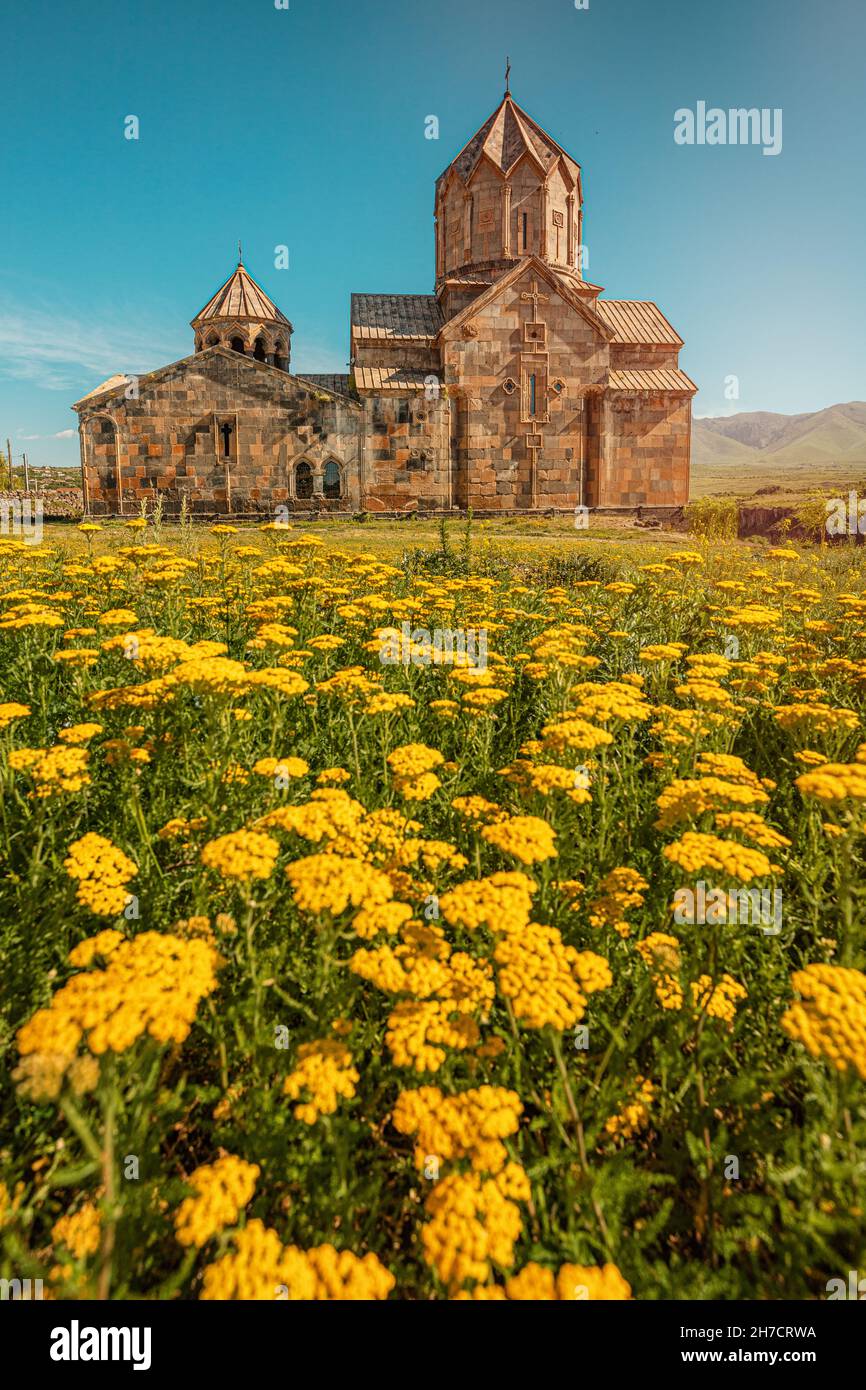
(514,387)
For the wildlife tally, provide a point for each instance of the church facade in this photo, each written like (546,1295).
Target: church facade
(515,386)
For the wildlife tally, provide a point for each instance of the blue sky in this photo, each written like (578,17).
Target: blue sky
(305,127)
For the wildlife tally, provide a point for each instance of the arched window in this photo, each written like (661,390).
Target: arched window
(303,480)
(280,355)
(333,483)
(260,351)
(238,345)
(213,341)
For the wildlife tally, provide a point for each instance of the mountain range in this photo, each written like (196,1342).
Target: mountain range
(760,442)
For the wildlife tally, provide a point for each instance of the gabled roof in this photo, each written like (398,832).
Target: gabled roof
(654,379)
(538,267)
(506,137)
(638,321)
(241,360)
(391,379)
(388,317)
(328,381)
(241,298)
(110,384)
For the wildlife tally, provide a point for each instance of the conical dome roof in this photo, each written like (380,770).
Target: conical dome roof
(506,137)
(241,298)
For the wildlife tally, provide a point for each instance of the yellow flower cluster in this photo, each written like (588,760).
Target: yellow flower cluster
(573,735)
(383,917)
(829,1018)
(502,902)
(447,987)
(834,782)
(613,702)
(474,1224)
(331,883)
(718,1000)
(53,770)
(752,828)
(635,1115)
(573,1283)
(262,1269)
(222,1190)
(285,768)
(688,799)
(12,711)
(243,855)
(326,1073)
(470,1125)
(412,770)
(102,872)
(660,953)
(474,1220)
(151,985)
(618,891)
(526,838)
(546,981)
(79,1231)
(696,853)
(816,719)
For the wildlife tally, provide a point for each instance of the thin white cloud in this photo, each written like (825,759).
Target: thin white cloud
(61,434)
(58,351)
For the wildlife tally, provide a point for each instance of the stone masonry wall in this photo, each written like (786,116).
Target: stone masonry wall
(169,440)
(489,362)
(646,454)
(406,449)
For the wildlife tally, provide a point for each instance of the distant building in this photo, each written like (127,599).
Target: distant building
(514,387)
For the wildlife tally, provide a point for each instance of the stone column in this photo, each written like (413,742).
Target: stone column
(82,446)
(545,216)
(569,253)
(506,220)
(605,450)
(117,468)
(467,227)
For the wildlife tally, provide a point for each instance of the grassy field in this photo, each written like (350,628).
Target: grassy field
(521,957)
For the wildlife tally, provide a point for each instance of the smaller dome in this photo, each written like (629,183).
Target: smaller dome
(241,299)
(240,316)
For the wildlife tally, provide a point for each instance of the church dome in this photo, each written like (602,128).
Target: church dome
(512,191)
(240,316)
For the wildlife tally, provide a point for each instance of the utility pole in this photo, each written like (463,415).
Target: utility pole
(26,475)
(9,457)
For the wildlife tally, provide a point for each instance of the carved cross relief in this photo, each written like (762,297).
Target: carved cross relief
(534,371)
